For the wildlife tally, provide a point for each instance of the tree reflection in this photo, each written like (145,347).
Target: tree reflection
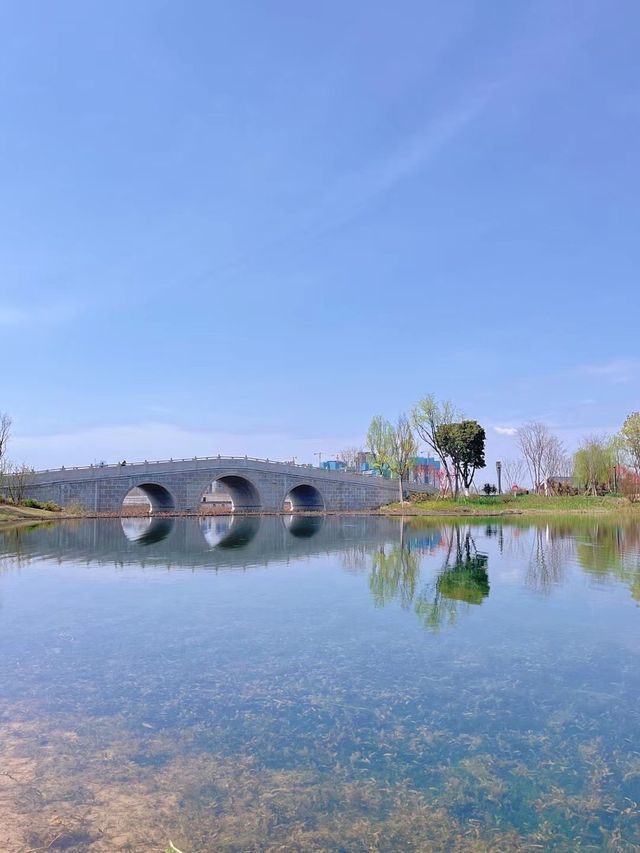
(549,556)
(462,580)
(604,549)
(608,551)
(394,574)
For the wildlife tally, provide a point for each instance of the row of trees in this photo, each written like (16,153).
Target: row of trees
(457,443)
(604,463)
(601,463)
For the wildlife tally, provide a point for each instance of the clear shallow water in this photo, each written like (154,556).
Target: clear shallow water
(320,684)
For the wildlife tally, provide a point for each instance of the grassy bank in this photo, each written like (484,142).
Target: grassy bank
(522,504)
(12,516)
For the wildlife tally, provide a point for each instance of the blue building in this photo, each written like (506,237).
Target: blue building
(333,465)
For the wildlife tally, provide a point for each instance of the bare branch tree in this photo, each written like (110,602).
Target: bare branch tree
(556,461)
(543,452)
(350,456)
(16,480)
(514,471)
(532,441)
(5,433)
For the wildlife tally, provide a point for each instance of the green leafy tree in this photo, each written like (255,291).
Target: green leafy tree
(593,464)
(404,449)
(379,442)
(463,443)
(427,416)
(630,435)
(393,447)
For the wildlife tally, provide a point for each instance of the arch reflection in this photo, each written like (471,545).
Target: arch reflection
(303,526)
(146,531)
(229,532)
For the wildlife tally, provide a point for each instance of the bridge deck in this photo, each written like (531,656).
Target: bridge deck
(179,484)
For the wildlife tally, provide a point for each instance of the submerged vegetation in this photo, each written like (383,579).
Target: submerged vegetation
(304,707)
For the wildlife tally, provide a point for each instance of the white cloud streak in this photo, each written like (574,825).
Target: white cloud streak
(39,315)
(152,440)
(616,371)
(13,317)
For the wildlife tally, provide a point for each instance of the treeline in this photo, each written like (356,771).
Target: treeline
(601,464)
(457,443)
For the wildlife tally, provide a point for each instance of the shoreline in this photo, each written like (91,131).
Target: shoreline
(12,517)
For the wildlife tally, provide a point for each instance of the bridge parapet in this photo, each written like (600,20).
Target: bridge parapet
(186,463)
(254,484)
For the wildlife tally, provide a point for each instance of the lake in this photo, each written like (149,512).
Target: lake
(308,683)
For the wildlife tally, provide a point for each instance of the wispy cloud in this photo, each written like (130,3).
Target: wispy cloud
(354,191)
(39,315)
(506,430)
(616,371)
(155,440)
(347,195)
(13,317)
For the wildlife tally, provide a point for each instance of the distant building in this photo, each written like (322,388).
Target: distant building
(333,465)
(364,462)
(425,471)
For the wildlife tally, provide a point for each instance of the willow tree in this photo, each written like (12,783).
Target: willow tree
(593,464)
(394,448)
(379,442)
(630,435)
(404,449)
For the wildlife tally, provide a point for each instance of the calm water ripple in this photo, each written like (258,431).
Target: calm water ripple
(343,684)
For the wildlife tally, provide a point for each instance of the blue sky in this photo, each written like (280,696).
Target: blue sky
(248,227)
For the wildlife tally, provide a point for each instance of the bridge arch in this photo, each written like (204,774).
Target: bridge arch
(304,498)
(158,497)
(242,492)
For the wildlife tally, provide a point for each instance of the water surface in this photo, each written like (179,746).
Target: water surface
(319,684)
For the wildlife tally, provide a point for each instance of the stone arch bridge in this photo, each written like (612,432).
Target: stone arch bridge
(255,485)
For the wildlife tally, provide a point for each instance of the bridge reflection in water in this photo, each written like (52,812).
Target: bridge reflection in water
(390,550)
(217,542)
(438,571)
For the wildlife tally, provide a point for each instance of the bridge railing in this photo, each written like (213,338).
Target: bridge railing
(124,464)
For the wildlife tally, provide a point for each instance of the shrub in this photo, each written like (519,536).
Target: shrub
(50,506)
